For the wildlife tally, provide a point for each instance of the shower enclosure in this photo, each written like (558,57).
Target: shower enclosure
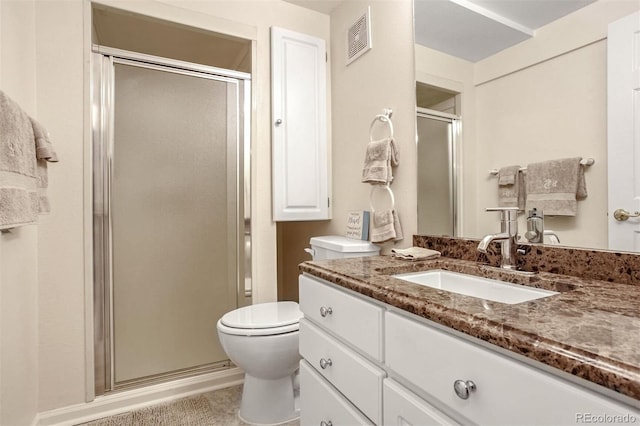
(171,214)
(437,176)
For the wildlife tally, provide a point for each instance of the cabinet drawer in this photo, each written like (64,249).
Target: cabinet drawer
(402,407)
(507,391)
(319,402)
(359,380)
(356,321)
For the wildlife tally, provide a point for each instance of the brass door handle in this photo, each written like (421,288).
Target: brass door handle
(622,214)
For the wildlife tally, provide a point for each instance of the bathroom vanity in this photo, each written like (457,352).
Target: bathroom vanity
(381,350)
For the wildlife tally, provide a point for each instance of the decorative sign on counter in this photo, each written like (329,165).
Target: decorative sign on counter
(358,225)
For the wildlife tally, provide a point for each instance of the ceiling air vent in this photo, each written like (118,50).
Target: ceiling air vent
(359,37)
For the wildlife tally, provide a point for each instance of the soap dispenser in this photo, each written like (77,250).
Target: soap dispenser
(535,226)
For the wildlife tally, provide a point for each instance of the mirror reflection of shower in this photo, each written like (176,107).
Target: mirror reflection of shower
(437,150)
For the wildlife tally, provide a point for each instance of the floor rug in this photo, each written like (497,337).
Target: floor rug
(195,411)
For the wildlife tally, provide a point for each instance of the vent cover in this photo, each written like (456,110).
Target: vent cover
(359,37)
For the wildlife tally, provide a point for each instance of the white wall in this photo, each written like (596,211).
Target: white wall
(61,96)
(19,248)
(563,114)
(381,78)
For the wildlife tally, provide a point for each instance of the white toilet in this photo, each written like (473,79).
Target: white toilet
(262,340)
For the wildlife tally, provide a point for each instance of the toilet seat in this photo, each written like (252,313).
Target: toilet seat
(263,319)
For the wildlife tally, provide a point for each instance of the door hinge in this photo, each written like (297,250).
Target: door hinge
(328,202)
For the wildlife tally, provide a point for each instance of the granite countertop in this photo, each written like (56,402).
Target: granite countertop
(590,330)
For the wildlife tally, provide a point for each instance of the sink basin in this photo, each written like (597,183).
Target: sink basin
(469,285)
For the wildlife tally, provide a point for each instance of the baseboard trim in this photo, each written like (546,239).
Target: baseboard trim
(104,406)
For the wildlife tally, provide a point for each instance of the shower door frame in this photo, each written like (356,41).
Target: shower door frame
(104,60)
(454,148)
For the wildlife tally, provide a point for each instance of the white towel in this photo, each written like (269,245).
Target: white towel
(386,227)
(380,157)
(415,253)
(554,187)
(24,151)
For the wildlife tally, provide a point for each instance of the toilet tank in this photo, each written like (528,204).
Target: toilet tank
(339,247)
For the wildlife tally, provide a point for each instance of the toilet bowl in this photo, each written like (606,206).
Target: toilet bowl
(262,340)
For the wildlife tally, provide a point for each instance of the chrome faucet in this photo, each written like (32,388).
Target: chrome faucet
(507,237)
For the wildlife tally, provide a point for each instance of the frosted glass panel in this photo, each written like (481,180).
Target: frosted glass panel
(173,220)
(435,210)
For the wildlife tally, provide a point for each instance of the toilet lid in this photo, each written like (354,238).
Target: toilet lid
(263,315)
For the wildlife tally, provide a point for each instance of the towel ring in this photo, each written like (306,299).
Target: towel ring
(385,119)
(389,191)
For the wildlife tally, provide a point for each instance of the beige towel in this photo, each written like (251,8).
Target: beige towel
(510,187)
(22,176)
(415,253)
(381,156)
(554,187)
(386,227)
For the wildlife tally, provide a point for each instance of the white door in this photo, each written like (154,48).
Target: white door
(623,85)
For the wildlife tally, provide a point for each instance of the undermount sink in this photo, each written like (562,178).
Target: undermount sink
(469,285)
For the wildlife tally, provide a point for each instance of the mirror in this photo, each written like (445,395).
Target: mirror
(542,97)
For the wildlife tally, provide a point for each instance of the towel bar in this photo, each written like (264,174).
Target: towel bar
(385,117)
(585,162)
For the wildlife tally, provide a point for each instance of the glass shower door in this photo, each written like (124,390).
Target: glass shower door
(174,216)
(436,175)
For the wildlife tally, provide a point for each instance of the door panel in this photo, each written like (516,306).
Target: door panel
(623,85)
(173,218)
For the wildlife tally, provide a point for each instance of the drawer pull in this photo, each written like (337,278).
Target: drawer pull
(323,423)
(324,363)
(325,311)
(464,388)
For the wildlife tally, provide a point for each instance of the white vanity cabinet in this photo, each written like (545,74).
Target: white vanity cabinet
(393,368)
(341,340)
(493,388)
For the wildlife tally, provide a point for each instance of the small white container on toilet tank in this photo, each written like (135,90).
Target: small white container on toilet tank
(339,247)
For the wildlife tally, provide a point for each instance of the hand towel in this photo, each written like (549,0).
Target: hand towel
(555,186)
(415,253)
(380,157)
(18,176)
(385,227)
(25,150)
(510,187)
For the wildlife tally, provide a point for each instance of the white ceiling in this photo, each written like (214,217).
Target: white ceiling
(322,6)
(474,29)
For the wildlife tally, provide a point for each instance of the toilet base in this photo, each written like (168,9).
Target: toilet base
(268,402)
